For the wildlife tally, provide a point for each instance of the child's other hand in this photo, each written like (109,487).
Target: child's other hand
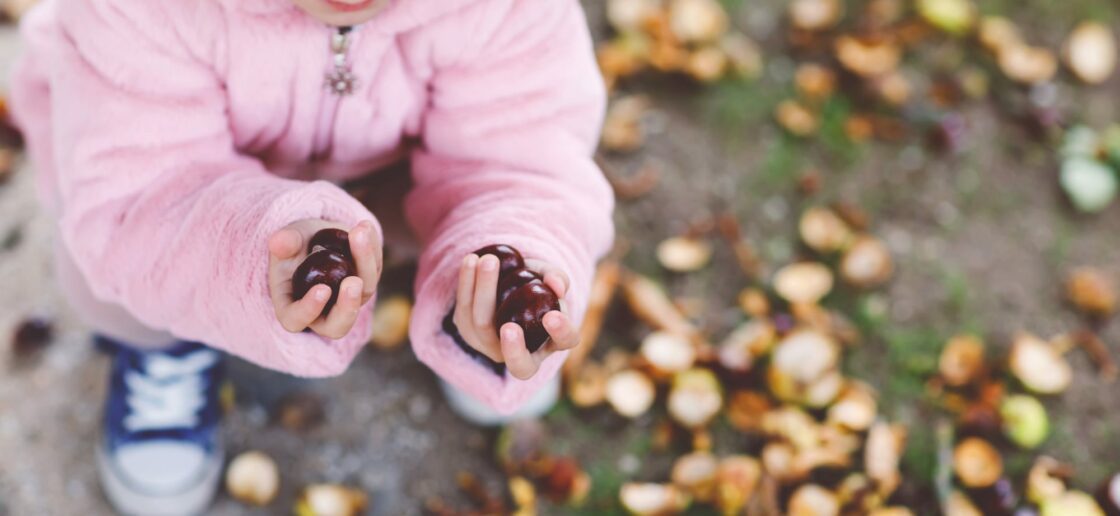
(475,304)
(288,247)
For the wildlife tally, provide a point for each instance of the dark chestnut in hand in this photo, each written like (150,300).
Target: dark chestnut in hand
(526,306)
(513,279)
(328,263)
(334,239)
(508,257)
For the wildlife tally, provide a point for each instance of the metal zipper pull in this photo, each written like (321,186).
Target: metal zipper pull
(340,80)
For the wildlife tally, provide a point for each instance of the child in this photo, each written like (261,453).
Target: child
(188,150)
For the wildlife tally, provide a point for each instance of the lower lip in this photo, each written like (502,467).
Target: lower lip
(345,7)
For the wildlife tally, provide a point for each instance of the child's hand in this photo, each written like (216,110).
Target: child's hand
(474,316)
(288,247)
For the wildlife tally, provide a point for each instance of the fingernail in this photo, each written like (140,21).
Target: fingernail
(354,291)
(509,334)
(552,323)
(322,294)
(471,260)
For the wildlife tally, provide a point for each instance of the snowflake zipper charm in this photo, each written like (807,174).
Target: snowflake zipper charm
(340,80)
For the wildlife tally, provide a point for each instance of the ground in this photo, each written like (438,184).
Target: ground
(982,239)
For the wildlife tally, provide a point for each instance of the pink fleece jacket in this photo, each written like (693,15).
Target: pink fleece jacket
(173,137)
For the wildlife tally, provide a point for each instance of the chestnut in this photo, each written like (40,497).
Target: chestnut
(514,279)
(333,239)
(526,306)
(324,267)
(508,257)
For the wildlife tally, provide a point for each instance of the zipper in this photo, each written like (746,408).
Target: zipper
(338,82)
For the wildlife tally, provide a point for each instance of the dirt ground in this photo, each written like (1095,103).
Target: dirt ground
(981,240)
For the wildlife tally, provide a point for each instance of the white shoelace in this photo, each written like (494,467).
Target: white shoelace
(170,392)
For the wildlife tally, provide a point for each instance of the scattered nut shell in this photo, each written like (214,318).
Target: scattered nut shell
(814,14)
(753,302)
(855,409)
(652,499)
(668,353)
(796,118)
(813,500)
(743,54)
(695,473)
(1024,420)
(752,339)
(867,57)
(977,463)
(630,393)
(587,387)
(815,82)
(683,254)
(253,478)
(1090,52)
(1027,64)
(331,500)
(695,398)
(390,322)
(867,263)
(737,479)
(629,15)
(952,16)
(882,455)
(1091,291)
(962,360)
(803,282)
(747,409)
(1038,365)
(998,33)
(1042,483)
(1071,503)
(697,20)
(622,128)
(707,64)
(823,231)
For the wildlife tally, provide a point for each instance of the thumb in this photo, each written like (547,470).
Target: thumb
(285,243)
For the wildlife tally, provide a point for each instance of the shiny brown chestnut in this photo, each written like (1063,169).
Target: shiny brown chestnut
(526,306)
(513,279)
(324,267)
(508,257)
(334,239)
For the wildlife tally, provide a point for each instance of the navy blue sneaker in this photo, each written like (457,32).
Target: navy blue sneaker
(161,453)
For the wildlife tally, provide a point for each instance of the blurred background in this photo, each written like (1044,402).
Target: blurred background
(866,262)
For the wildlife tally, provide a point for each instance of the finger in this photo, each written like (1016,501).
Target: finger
(296,316)
(485,294)
(344,312)
(483,342)
(519,362)
(463,296)
(465,293)
(564,334)
(285,244)
(366,249)
(554,277)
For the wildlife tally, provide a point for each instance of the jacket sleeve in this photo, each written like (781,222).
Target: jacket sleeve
(159,210)
(506,157)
